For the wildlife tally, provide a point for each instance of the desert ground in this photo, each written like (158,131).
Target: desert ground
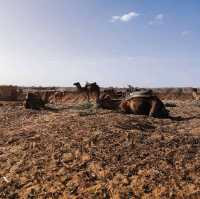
(73,150)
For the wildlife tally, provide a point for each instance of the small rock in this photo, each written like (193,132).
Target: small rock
(62,171)
(85,157)
(67,147)
(67,157)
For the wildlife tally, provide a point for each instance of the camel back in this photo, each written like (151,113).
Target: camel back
(143,93)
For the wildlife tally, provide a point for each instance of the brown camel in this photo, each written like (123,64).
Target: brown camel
(89,89)
(140,105)
(195,94)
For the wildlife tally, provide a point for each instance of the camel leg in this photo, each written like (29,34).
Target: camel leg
(88,96)
(153,109)
(97,97)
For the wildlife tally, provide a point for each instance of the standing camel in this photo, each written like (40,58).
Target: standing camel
(89,89)
(195,94)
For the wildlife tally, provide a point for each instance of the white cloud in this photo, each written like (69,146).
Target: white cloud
(185,33)
(159,17)
(158,20)
(125,18)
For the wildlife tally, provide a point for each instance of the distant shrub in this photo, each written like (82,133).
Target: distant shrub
(86,105)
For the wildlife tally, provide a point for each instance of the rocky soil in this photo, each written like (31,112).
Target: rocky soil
(77,151)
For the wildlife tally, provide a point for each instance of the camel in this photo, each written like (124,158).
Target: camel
(106,102)
(89,89)
(195,95)
(35,101)
(140,105)
(131,89)
(114,93)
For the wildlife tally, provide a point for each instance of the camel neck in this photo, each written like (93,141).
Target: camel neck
(116,104)
(79,86)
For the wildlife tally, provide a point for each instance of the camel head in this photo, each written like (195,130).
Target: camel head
(105,101)
(76,83)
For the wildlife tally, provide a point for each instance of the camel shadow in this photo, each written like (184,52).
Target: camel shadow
(68,108)
(179,118)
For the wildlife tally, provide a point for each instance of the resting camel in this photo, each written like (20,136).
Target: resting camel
(89,89)
(35,101)
(140,104)
(195,95)
(114,93)
(131,89)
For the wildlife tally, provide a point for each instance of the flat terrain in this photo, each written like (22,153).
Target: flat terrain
(76,151)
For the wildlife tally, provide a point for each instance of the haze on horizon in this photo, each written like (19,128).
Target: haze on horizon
(144,43)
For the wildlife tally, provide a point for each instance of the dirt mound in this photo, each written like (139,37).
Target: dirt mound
(8,93)
(174,93)
(69,98)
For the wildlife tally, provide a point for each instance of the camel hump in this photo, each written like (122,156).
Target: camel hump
(142,93)
(91,84)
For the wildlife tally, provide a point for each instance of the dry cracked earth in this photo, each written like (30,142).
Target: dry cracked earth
(77,151)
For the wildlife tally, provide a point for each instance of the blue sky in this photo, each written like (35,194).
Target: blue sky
(149,43)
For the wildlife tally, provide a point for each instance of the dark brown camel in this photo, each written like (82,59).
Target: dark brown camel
(140,105)
(89,89)
(35,101)
(114,93)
